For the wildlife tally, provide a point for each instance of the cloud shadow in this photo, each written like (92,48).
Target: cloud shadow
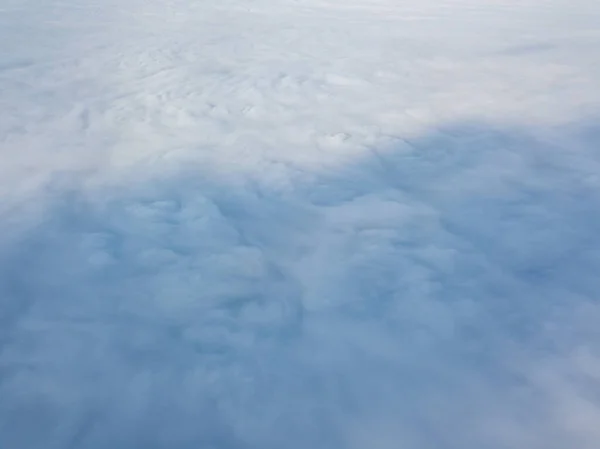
(441,292)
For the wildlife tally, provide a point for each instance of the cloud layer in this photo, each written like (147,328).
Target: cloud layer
(335,225)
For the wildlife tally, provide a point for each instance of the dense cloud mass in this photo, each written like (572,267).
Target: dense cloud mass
(325,225)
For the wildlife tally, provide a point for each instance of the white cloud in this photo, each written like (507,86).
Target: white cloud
(328,225)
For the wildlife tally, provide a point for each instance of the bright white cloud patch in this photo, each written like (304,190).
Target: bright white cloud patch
(275,224)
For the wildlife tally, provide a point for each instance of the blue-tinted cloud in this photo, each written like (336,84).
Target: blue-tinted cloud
(440,293)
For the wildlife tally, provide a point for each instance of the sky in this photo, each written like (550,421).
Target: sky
(283,224)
